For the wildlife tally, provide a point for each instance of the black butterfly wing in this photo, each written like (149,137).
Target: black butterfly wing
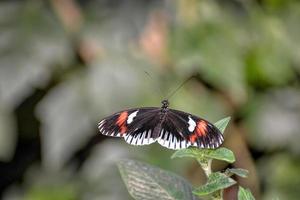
(115,124)
(135,125)
(142,130)
(190,130)
(172,133)
(172,128)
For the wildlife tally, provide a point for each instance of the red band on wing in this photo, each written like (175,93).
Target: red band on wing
(199,131)
(193,138)
(201,128)
(121,121)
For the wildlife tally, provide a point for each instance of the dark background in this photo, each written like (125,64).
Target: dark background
(66,64)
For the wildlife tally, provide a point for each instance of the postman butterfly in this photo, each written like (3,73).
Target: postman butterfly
(171,128)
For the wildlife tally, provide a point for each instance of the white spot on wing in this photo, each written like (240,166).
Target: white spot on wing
(165,139)
(192,124)
(220,140)
(172,142)
(177,143)
(140,138)
(128,138)
(136,140)
(131,116)
(119,135)
(147,139)
(151,140)
(183,144)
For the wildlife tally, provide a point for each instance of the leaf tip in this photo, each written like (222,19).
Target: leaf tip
(222,124)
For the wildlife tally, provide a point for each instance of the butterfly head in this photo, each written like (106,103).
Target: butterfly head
(165,103)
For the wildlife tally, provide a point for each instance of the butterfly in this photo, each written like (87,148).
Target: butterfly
(171,128)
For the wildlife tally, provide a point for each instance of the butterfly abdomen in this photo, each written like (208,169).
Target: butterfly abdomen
(162,117)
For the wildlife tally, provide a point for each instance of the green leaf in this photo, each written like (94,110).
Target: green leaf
(221,154)
(189,152)
(144,181)
(245,194)
(222,124)
(237,171)
(194,152)
(52,191)
(216,181)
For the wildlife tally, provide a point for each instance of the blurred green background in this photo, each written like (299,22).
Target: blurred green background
(65,64)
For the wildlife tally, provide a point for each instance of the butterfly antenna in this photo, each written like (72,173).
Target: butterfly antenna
(158,89)
(180,86)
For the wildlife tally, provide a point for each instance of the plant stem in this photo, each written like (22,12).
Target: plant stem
(206,166)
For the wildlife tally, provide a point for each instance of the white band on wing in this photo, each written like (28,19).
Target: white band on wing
(131,116)
(192,124)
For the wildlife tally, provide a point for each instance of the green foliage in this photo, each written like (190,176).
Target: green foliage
(144,181)
(218,154)
(216,181)
(147,182)
(245,194)
(237,171)
(49,192)
(222,124)
(56,84)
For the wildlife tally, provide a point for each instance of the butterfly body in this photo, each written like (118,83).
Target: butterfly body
(171,128)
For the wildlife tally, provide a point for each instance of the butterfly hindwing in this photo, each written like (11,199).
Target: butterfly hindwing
(172,133)
(141,130)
